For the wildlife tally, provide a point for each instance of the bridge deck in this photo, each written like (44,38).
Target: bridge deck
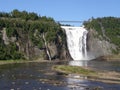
(70,21)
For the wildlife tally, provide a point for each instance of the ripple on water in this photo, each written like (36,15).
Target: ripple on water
(27,77)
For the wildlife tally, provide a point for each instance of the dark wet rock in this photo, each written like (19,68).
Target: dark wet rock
(53,82)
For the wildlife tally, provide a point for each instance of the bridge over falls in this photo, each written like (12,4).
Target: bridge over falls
(72,23)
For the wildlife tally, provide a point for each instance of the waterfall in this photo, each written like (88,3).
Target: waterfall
(76,42)
(48,53)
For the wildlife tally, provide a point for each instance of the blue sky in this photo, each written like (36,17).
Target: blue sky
(79,10)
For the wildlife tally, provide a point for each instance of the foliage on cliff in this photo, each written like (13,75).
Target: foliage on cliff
(25,27)
(107,27)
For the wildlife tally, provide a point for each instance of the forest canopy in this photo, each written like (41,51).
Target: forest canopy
(26,26)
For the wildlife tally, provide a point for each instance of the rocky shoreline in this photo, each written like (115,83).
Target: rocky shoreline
(109,58)
(110,77)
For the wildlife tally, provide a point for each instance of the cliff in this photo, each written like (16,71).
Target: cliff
(26,35)
(103,36)
(98,46)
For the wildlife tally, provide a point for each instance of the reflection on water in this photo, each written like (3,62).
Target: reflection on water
(76,84)
(33,76)
(97,65)
(79,63)
(82,83)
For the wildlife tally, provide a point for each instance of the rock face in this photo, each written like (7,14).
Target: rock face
(98,46)
(4,37)
(57,50)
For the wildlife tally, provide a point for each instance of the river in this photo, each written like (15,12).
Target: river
(40,76)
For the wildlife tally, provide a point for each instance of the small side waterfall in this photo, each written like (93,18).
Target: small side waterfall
(48,53)
(76,41)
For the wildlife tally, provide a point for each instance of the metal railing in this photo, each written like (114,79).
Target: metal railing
(70,21)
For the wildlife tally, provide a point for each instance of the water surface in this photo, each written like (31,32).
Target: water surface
(32,76)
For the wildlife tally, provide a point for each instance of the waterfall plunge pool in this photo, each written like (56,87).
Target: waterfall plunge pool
(40,76)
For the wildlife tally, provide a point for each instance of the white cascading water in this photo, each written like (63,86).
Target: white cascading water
(76,41)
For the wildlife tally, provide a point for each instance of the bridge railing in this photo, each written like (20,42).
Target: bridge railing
(70,21)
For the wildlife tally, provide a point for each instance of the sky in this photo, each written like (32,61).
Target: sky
(66,10)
